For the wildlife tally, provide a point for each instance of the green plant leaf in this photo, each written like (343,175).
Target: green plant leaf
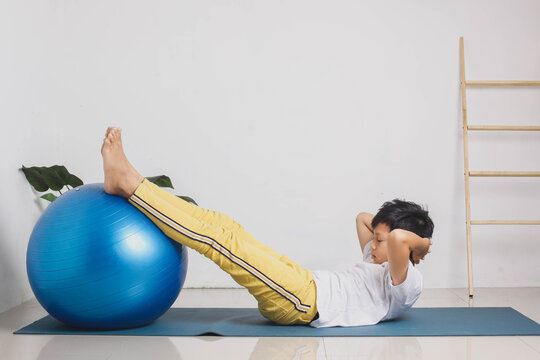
(66,176)
(49,196)
(34,177)
(188,199)
(74,181)
(161,181)
(52,177)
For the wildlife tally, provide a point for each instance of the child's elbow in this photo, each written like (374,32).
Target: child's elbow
(397,236)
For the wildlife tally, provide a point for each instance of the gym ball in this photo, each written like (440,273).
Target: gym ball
(96,262)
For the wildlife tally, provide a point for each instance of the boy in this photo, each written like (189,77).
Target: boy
(386,284)
(286,292)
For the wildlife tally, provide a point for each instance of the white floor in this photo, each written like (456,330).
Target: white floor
(525,300)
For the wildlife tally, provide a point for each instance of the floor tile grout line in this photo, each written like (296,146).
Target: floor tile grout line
(456,292)
(465,301)
(529,345)
(324,346)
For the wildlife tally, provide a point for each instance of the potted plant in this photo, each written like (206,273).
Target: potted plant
(57,177)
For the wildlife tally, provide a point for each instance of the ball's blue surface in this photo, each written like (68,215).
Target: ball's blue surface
(94,261)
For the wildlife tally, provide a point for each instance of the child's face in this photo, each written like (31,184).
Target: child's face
(378,245)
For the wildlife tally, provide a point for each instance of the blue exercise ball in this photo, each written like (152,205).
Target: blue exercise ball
(94,261)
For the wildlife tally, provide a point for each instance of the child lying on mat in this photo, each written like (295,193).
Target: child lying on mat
(286,292)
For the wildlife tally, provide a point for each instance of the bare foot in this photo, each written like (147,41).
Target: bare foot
(121,178)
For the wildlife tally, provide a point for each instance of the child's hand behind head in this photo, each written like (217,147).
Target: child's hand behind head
(418,253)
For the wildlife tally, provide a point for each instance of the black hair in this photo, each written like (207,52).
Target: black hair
(406,215)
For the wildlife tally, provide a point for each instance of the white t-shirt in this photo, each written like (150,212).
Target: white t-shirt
(364,294)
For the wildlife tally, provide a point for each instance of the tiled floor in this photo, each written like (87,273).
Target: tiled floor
(525,300)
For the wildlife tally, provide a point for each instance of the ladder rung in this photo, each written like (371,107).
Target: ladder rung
(505,222)
(501,83)
(503,127)
(505,173)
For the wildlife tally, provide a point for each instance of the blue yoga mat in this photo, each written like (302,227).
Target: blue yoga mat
(457,321)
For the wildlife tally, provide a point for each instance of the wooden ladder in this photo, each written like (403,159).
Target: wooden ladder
(468,174)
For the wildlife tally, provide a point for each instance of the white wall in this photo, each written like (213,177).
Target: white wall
(290,116)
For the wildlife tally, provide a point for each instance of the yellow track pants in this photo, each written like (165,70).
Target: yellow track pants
(285,291)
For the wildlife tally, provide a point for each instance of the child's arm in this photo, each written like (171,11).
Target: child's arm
(364,229)
(403,246)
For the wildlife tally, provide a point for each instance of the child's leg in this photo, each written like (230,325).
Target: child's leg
(218,218)
(284,290)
